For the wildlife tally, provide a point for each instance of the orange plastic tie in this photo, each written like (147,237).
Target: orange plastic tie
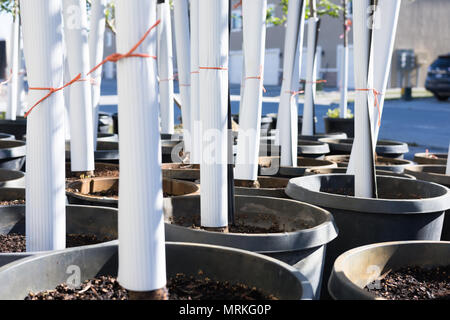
(213,68)
(295,93)
(314,82)
(258,77)
(51,91)
(237,5)
(117,56)
(376,93)
(112,58)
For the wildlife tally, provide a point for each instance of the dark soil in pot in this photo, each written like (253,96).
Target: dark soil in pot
(291,231)
(102,170)
(270,166)
(12,154)
(105,191)
(16,127)
(186,264)
(265,187)
(413,283)
(431,158)
(180,171)
(180,287)
(416,211)
(85,225)
(340,125)
(406,270)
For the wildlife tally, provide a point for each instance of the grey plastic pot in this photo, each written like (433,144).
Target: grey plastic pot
(45,272)
(107,137)
(7,136)
(313,171)
(270,166)
(340,125)
(302,248)
(355,269)
(305,148)
(180,171)
(80,191)
(12,154)
(317,137)
(382,163)
(269,187)
(431,158)
(12,178)
(98,221)
(107,152)
(363,221)
(385,148)
(436,174)
(16,127)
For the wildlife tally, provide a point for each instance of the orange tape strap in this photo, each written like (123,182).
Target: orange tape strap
(376,93)
(113,58)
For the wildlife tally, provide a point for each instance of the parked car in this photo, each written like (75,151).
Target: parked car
(438,78)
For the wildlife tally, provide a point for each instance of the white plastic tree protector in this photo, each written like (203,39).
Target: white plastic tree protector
(182,41)
(96,49)
(383,39)
(288,108)
(213,65)
(21,94)
(142,265)
(344,76)
(45,183)
(254,43)
(196,138)
(13,72)
(362,153)
(385,21)
(447,169)
(165,68)
(77,50)
(66,99)
(310,86)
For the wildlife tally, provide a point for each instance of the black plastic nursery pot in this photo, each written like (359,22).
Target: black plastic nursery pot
(107,137)
(105,123)
(104,191)
(436,174)
(382,163)
(181,171)
(7,136)
(388,149)
(431,158)
(405,210)
(268,187)
(11,178)
(270,166)
(12,154)
(304,230)
(107,152)
(172,150)
(46,272)
(360,267)
(333,125)
(17,127)
(80,220)
(115,118)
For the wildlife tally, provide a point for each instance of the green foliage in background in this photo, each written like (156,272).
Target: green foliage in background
(334,113)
